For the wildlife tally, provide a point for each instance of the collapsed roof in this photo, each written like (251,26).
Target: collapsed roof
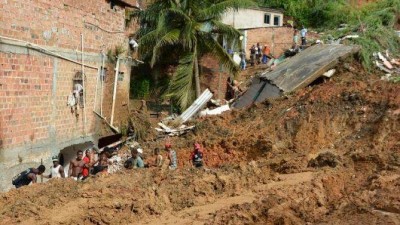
(295,73)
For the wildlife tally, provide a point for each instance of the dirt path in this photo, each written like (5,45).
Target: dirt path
(198,215)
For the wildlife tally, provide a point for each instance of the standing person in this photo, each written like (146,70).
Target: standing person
(252,55)
(196,158)
(295,40)
(87,159)
(171,156)
(243,60)
(76,166)
(303,33)
(258,53)
(266,52)
(57,170)
(28,176)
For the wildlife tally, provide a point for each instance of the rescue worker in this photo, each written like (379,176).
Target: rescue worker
(196,158)
(57,170)
(28,176)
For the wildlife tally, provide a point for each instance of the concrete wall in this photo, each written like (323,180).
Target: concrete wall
(251,18)
(35,121)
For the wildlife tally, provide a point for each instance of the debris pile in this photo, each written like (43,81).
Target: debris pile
(389,65)
(179,127)
(259,169)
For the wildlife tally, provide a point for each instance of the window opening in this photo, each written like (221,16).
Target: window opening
(276,20)
(77,88)
(267,18)
(120,76)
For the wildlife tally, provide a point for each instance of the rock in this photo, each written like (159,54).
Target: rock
(324,159)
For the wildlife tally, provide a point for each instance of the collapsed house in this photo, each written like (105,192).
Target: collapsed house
(295,73)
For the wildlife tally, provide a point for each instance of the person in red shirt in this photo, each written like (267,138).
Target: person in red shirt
(86,159)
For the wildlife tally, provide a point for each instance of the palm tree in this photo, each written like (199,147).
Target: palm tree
(187,30)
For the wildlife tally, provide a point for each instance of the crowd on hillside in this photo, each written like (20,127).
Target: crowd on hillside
(88,163)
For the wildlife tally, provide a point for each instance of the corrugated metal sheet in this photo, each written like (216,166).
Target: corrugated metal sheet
(258,91)
(196,106)
(305,67)
(295,73)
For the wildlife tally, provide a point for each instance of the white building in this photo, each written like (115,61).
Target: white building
(253,18)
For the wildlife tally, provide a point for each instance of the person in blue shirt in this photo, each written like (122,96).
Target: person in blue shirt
(135,161)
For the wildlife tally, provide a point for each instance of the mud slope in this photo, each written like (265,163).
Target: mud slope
(327,154)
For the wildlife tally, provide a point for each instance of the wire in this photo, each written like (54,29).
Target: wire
(44,50)
(112,32)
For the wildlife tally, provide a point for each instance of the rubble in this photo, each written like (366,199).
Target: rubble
(390,66)
(257,167)
(178,122)
(295,73)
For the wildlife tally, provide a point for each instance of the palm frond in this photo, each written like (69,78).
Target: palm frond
(208,44)
(182,85)
(226,30)
(170,38)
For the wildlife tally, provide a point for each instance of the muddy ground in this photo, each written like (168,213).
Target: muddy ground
(327,154)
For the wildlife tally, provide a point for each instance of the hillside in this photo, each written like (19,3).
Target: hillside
(327,154)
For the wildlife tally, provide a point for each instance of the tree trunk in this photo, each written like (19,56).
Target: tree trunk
(197,76)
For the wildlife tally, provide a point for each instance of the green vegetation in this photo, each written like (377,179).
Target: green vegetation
(373,22)
(112,54)
(181,32)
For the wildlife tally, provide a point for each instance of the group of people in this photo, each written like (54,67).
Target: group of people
(81,167)
(259,54)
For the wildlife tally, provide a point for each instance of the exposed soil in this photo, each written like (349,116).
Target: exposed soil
(327,154)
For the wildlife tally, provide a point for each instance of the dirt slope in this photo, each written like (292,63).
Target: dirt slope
(328,154)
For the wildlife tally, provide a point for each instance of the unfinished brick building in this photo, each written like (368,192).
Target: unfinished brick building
(257,25)
(47,48)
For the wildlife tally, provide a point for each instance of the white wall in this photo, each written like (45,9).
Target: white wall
(250,18)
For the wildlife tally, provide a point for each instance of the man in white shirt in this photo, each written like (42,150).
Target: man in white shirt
(57,170)
(303,34)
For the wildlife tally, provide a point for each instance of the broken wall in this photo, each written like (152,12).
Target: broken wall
(35,121)
(213,76)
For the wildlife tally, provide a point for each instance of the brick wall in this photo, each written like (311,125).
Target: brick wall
(121,111)
(61,22)
(213,77)
(277,38)
(35,121)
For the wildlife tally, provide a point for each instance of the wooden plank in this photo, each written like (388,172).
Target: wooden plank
(301,70)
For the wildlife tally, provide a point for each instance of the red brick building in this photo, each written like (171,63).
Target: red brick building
(257,25)
(41,44)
